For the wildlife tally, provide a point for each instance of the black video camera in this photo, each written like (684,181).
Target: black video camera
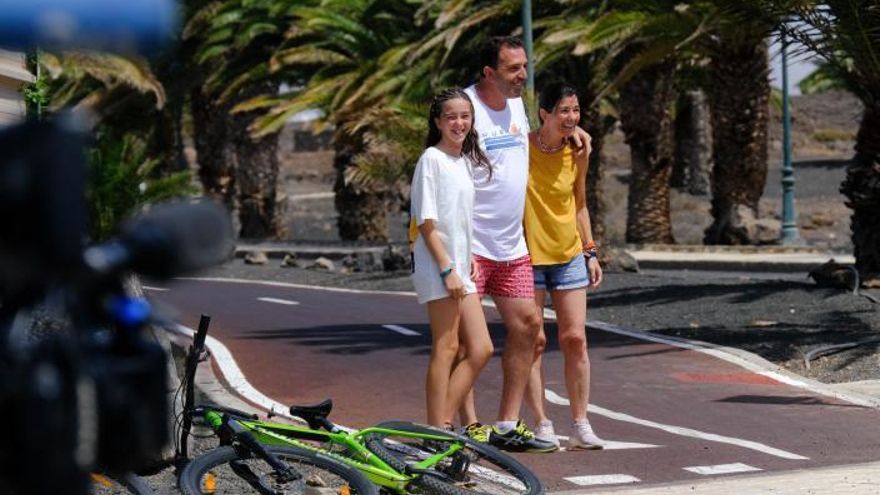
(92,396)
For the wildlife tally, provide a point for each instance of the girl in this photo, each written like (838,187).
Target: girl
(443,275)
(557,229)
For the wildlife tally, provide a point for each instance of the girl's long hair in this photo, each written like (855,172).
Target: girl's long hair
(471,146)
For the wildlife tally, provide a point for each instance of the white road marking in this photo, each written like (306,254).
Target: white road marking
(722,469)
(278,301)
(602,479)
(555,398)
(297,286)
(612,445)
(148,287)
(401,330)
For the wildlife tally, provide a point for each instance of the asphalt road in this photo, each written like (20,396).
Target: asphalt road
(671,414)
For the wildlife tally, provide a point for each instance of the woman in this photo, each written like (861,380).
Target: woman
(442,207)
(564,256)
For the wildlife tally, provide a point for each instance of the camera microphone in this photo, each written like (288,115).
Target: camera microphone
(139,26)
(167,240)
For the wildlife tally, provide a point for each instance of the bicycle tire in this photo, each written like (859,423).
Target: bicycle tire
(487,471)
(317,472)
(127,483)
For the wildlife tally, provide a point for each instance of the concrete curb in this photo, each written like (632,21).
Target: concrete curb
(736,261)
(779,259)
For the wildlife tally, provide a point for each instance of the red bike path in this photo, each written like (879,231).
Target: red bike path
(673,414)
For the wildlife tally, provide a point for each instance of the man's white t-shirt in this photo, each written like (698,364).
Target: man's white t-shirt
(443,191)
(500,201)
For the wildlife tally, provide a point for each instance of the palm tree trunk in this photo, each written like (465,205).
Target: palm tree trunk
(595,172)
(693,144)
(260,207)
(363,210)
(646,117)
(862,190)
(210,136)
(739,93)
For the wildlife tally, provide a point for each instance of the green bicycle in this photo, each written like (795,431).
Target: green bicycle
(398,456)
(242,464)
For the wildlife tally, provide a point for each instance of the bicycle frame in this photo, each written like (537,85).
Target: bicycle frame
(357,455)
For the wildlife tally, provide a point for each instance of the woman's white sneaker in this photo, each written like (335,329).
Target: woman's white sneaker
(583,438)
(544,431)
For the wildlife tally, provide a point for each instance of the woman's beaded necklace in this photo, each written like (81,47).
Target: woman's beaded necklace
(548,149)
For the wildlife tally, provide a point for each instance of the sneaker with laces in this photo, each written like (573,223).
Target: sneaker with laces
(519,439)
(477,432)
(583,438)
(544,431)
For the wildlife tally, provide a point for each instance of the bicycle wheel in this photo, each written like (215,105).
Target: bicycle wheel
(476,469)
(128,483)
(213,473)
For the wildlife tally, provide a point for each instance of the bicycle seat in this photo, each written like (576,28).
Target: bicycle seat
(311,413)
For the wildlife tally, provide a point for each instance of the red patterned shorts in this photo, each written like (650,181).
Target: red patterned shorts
(513,278)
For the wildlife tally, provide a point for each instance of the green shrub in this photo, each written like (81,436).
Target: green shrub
(123,178)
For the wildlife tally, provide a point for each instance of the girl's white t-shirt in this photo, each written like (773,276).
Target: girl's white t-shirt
(443,191)
(500,201)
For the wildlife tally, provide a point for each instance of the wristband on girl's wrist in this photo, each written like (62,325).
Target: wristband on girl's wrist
(446,271)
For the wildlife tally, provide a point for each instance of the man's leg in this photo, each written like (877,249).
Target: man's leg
(523,323)
(534,395)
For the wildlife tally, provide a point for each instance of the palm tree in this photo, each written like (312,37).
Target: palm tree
(846,34)
(231,42)
(640,43)
(353,53)
(738,92)
(646,117)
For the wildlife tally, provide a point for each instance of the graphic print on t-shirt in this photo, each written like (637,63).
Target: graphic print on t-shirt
(503,140)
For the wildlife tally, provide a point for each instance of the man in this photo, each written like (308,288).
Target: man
(505,270)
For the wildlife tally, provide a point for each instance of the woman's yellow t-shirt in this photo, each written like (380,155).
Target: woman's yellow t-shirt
(550,219)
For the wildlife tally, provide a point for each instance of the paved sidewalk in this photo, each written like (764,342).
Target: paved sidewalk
(856,479)
(747,258)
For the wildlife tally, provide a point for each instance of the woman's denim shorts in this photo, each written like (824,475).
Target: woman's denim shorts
(571,275)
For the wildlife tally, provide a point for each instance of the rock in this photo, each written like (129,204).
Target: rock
(363,262)
(256,258)
(822,219)
(746,228)
(617,260)
(290,261)
(834,274)
(395,258)
(323,263)
(767,230)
